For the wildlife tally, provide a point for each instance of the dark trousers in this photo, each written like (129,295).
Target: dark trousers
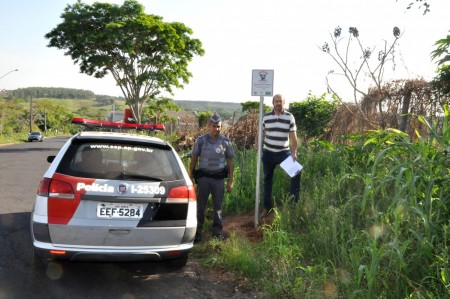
(270,161)
(216,188)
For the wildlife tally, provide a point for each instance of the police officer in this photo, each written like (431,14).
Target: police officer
(215,154)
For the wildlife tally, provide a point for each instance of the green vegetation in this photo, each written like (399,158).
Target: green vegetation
(51,116)
(146,56)
(57,112)
(373,221)
(442,51)
(50,92)
(313,115)
(254,106)
(224,109)
(13,138)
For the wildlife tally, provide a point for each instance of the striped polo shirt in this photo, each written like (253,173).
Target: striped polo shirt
(276,130)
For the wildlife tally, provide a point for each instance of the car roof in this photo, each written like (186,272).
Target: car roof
(120,136)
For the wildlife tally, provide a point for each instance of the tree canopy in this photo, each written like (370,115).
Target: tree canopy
(145,55)
(442,51)
(254,106)
(53,92)
(313,114)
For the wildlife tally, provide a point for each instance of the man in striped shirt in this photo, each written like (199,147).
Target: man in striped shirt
(279,142)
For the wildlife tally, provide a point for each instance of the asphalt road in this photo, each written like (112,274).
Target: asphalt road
(21,168)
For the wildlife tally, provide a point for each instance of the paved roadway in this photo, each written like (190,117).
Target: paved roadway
(21,168)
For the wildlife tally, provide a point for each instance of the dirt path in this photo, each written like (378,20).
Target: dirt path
(244,225)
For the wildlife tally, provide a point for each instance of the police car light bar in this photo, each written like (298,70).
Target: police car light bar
(90,123)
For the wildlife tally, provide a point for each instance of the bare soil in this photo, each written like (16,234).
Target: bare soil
(231,285)
(244,225)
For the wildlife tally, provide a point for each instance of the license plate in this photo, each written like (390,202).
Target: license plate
(119,210)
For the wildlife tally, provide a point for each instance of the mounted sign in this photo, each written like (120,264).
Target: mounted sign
(262,83)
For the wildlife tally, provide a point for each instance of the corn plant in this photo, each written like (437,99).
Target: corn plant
(372,221)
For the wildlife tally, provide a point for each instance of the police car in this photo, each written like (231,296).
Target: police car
(114,197)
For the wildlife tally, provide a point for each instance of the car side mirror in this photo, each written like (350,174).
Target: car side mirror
(50,159)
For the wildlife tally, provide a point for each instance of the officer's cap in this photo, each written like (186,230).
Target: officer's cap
(215,118)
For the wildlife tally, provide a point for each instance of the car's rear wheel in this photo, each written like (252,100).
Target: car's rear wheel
(39,263)
(178,263)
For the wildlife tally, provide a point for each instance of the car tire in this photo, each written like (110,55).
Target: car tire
(178,263)
(39,263)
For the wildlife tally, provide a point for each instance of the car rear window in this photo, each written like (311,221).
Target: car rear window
(110,160)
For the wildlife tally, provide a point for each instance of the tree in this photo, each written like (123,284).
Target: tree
(203,118)
(155,110)
(10,117)
(56,116)
(52,92)
(403,99)
(441,83)
(362,69)
(252,106)
(313,114)
(442,51)
(145,55)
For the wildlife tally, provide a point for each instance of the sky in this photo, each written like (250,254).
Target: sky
(238,36)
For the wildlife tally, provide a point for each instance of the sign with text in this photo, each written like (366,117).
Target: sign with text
(262,82)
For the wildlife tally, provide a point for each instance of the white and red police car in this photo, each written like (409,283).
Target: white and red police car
(111,196)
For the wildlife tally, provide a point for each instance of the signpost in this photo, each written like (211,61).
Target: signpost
(262,85)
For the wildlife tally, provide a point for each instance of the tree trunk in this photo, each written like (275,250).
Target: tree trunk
(405,106)
(382,115)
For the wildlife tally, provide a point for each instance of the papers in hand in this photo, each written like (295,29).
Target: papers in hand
(292,168)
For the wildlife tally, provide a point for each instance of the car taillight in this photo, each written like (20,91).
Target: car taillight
(60,189)
(182,193)
(43,187)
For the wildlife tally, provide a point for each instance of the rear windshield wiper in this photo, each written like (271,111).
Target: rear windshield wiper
(136,176)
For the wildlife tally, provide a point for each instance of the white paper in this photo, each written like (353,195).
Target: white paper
(292,168)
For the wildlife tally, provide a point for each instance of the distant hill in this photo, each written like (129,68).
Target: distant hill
(222,108)
(58,93)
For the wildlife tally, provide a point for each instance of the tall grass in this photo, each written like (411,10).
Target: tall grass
(13,138)
(373,221)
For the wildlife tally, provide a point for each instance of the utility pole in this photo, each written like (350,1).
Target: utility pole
(45,120)
(31,114)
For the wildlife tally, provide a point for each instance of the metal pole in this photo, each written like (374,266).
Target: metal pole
(258,163)
(31,116)
(9,73)
(45,120)
(244,154)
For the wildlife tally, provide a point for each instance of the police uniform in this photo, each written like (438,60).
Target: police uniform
(212,155)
